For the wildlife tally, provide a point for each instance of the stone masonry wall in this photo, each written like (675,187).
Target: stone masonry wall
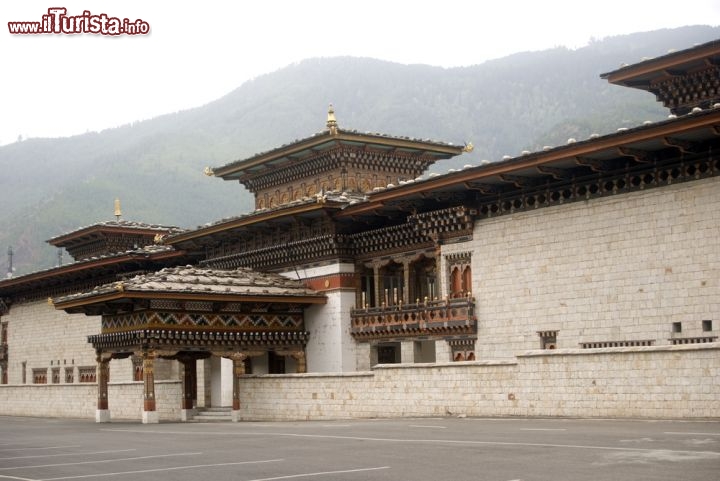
(80,400)
(45,338)
(646,382)
(653,382)
(619,268)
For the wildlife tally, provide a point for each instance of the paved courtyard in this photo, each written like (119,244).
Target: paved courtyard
(36,449)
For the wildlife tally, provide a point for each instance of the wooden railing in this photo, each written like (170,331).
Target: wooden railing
(447,317)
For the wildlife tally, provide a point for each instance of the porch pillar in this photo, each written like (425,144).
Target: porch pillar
(150,415)
(189,388)
(238,360)
(406,281)
(301,360)
(441,273)
(376,280)
(102,414)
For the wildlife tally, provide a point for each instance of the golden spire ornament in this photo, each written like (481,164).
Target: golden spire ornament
(331,121)
(118,212)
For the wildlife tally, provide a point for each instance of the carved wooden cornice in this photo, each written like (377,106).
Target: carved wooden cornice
(445,223)
(389,240)
(683,92)
(181,340)
(286,255)
(607,179)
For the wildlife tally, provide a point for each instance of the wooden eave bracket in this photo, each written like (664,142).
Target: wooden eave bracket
(685,146)
(556,172)
(595,164)
(487,189)
(642,156)
(521,181)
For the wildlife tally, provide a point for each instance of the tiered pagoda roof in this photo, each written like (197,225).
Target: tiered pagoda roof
(334,159)
(110,237)
(681,80)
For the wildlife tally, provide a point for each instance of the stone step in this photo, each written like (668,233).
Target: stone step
(213,414)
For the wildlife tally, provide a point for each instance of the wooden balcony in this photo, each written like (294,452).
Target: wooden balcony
(440,318)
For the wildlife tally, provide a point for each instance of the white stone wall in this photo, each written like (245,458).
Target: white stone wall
(653,382)
(125,400)
(330,347)
(43,337)
(619,268)
(80,400)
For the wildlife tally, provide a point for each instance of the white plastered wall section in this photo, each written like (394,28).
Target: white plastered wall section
(330,347)
(619,268)
(42,337)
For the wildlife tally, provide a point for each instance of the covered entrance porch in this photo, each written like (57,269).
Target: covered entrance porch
(189,315)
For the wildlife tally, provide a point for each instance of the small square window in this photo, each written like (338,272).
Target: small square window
(677,327)
(707,326)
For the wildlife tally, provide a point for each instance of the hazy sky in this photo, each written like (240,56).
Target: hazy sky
(60,85)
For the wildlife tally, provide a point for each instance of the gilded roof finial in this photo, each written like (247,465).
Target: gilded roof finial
(468,147)
(118,212)
(331,122)
(209,171)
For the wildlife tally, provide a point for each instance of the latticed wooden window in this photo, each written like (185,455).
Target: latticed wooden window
(460,275)
(548,339)
(87,374)
(40,376)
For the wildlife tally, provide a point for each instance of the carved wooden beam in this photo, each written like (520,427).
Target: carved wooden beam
(595,164)
(686,146)
(639,155)
(488,189)
(675,72)
(641,84)
(556,172)
(402,205)
(521,181)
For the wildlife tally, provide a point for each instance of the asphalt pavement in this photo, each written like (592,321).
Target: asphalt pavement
(418,449)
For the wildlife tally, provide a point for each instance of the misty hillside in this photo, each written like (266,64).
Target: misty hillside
(520,102)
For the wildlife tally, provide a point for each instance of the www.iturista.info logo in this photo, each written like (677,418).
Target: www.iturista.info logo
(58,22)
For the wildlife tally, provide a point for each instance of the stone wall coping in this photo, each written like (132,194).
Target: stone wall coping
(311,375)
(458,364)
(85,384)
(621,350)
(133,383)
(55,386)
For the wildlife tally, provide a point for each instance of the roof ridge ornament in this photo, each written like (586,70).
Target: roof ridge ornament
(331,121)
(469,147)
(118,212)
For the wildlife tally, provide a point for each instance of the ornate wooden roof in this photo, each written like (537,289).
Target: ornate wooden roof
(503,183)
(77,275)
(189,284)
(110,237)
(681,80)
(344,160)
